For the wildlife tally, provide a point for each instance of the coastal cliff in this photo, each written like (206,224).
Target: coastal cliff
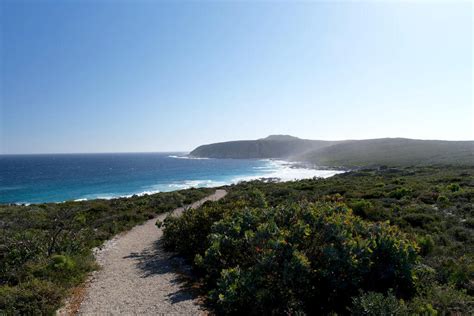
(347,153)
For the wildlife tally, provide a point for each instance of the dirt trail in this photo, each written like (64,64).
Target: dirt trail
(137,276)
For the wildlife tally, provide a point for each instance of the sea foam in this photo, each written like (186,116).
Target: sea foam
(110,176)
(287,171)
(274,169)
(188,157)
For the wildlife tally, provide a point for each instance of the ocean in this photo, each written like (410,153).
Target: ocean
(26,179)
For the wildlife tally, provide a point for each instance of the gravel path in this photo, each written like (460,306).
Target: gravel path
(138,277)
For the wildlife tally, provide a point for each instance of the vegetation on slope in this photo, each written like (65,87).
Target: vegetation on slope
(46,249)
(392,152)
(370,242)
(349,153)
(274,146)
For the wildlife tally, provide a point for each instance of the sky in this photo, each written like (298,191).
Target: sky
(139,76)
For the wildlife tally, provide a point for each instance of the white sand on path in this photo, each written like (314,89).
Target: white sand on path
(137,277)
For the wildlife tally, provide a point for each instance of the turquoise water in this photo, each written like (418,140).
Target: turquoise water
(62,177)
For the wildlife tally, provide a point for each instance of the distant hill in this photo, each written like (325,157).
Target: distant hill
(392,151)
(348,153)
(274,146)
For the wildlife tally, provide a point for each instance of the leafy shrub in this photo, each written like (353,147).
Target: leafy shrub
(399,181)
(45,249)
(459,272)
(309,258)
(399,193)
(426,244)
(441,300)
(34,297)
(428,197)
(26,232)
(61,263)
(443,231)
(361,207)
(442,200)
(462,234)
(376,304)
(418,219)
(453,187)
(256,198)
(187,234)
(469,223)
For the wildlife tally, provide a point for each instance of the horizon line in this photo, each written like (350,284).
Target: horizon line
(216,142)
(96,153)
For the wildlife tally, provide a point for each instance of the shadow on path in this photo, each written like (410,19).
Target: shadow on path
(155,261)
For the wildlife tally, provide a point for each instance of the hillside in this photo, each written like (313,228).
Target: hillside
(274,146)
(392,151)
(349,153)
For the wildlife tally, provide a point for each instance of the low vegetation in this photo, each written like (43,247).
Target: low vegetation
(46,249)
(379,241)
(382,241)
(347,153)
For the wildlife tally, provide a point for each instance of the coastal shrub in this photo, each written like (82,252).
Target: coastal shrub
(17,248)
(361,207)
(441,300)
(188,233)
(232,269)
(469,223)
(426,244)
(257,198)
(399,193)
(45,249)
(418,219)
(35,297)
(376,304)
(442,200)
(461,273)
(399,181)
(454,187)
(308,258)
(274,271)
(428,197)
(62,263)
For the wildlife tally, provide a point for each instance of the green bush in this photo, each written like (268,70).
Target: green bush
(62,263)
(256,198)
(418,219)
(45,249)
(459,273)
(442,200)
(399,193)
(426,244)
(237,255)
(441,300)
(34,297)
(308,258)
(187,234)
(454,187)
(361,207)
(263,264)
(469,223)
(376,304)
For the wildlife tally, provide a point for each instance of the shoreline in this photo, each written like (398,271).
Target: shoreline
(275,170)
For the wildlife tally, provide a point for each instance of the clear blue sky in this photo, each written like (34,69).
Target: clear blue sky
(109,76)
